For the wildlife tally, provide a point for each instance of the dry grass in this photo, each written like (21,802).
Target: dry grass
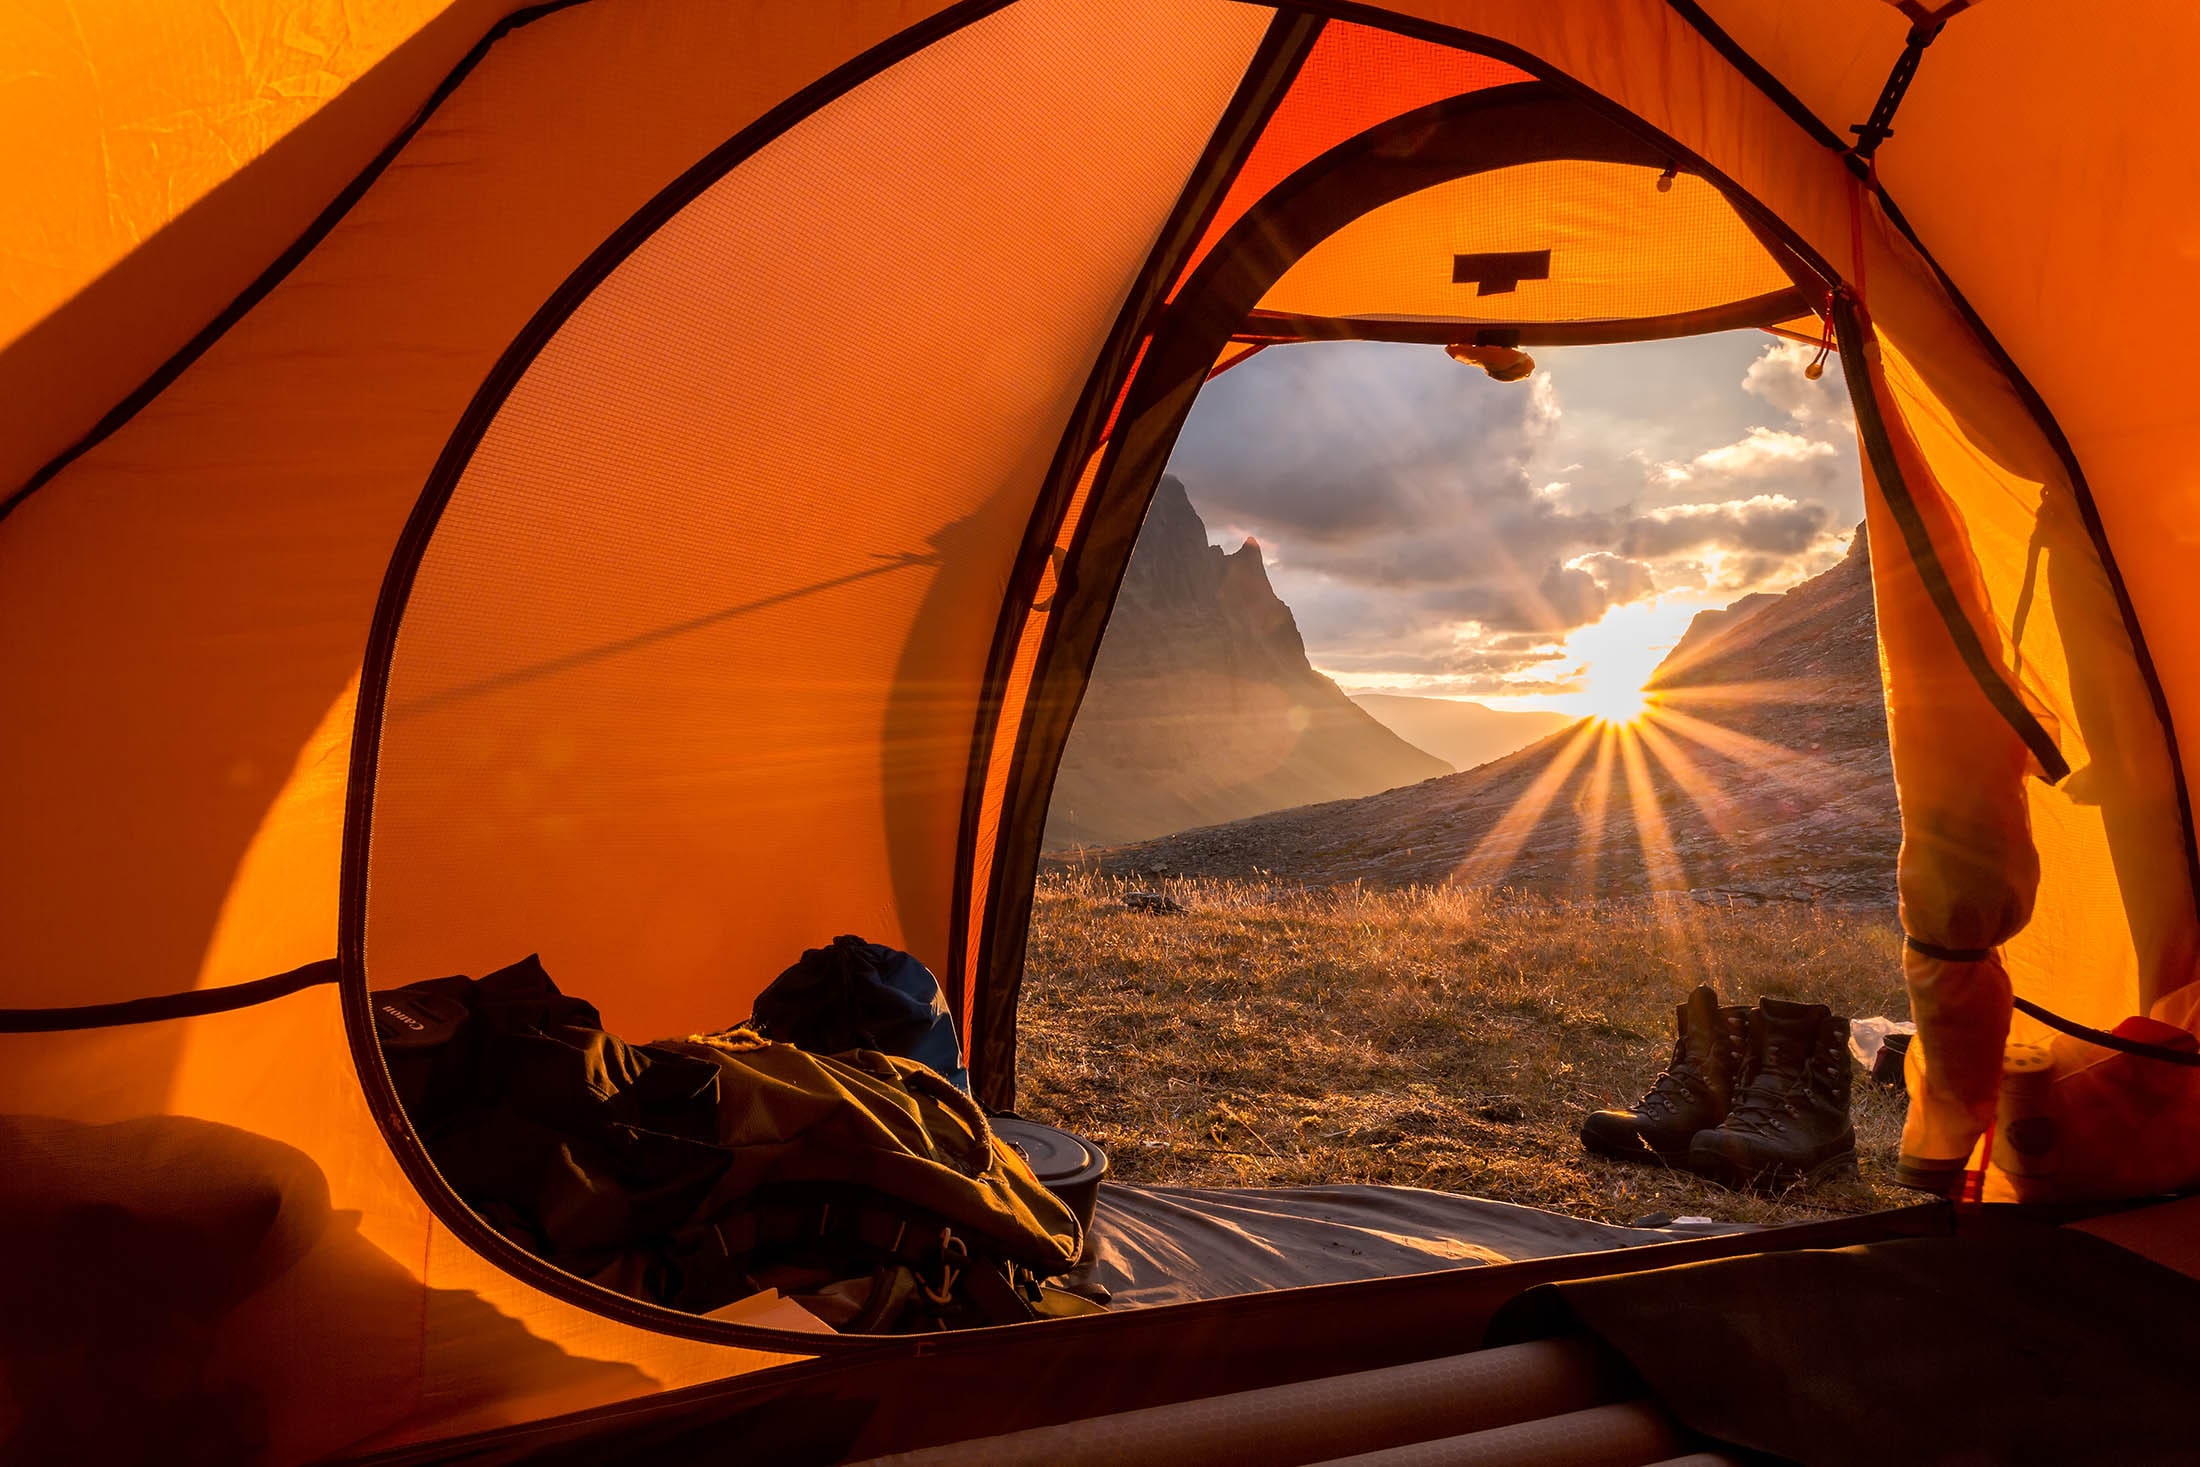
(1447,1037)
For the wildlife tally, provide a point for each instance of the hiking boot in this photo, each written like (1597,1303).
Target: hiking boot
(1790,1116)
(1691,1095)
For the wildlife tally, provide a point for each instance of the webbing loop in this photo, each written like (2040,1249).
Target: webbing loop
(1878,127)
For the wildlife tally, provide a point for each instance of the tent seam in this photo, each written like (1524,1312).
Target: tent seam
(480,413)
(1756,73)
(1267,79)
(263,284)
(2000,691)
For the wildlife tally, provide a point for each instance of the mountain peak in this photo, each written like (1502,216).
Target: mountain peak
(1247,561)
(1818,633)
(1202,705)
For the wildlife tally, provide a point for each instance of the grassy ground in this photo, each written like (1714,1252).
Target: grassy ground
(1447,1038)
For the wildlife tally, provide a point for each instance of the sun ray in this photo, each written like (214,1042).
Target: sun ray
(1500,845)
(1651,831)
(1668,880)
(1770,760)
(1784,692)
(1593,803)
(1708,795)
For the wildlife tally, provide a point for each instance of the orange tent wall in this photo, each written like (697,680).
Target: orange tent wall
(160,157)
(188,599)
(225,546)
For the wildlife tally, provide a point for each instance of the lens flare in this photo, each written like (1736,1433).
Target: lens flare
(1616,703)
(1618,654)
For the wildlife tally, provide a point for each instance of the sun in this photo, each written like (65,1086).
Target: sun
(1615,699)
(1617,656)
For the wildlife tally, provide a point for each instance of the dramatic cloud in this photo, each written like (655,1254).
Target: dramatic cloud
(1394,470)
(1778,378)
(1765,460)
(1424,522)
(1337,443)
(1767,523)
(1623,580)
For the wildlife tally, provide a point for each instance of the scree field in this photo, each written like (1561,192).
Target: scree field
(1440,1037)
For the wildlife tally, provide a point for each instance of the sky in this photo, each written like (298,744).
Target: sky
(1531,544)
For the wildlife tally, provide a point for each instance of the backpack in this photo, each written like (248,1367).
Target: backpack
(694,1172)
(867,1159)
(862,995)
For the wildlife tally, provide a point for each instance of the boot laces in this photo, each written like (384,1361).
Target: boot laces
(1762,1099)
(1679,1084)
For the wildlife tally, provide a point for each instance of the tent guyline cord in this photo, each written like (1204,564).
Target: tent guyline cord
(2102,1037)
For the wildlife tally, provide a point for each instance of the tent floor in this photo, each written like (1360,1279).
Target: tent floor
(906,1392)
(1173,1245)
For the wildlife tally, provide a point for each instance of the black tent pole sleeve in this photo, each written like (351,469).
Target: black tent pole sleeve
(167,1006)
(1879,449)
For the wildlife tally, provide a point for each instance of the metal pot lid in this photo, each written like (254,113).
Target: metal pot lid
(1058,1158)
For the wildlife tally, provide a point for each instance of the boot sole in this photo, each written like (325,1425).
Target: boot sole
(1741,1176)
(1643,1155)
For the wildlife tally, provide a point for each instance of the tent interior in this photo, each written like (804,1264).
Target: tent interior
(643,482)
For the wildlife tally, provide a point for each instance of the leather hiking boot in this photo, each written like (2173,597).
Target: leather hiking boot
(1790,1116)
(1691,1095)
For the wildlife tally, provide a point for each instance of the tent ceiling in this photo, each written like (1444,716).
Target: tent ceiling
(1832,54)
(1598,242)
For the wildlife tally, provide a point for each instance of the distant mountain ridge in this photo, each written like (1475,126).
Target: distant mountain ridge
(1202,706)
(1763,775)
(1461,733)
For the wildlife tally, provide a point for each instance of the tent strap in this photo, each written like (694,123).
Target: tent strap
(1877,128)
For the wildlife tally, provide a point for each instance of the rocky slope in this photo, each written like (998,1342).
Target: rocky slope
(1203,707)
(1761,775)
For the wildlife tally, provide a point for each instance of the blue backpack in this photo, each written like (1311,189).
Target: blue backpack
(863,995)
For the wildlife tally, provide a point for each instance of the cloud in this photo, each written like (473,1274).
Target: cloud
(1458,668)
(1550,604)
(1765,460)
(1767,523)
(1623,580)
(1778,378)
(1422,520)
(1393,469)
(1335,442)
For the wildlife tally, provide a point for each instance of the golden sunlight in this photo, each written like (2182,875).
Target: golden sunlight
(1617,656)
(1612,700)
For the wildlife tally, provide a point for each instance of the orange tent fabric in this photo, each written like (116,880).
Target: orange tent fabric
(641,480)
